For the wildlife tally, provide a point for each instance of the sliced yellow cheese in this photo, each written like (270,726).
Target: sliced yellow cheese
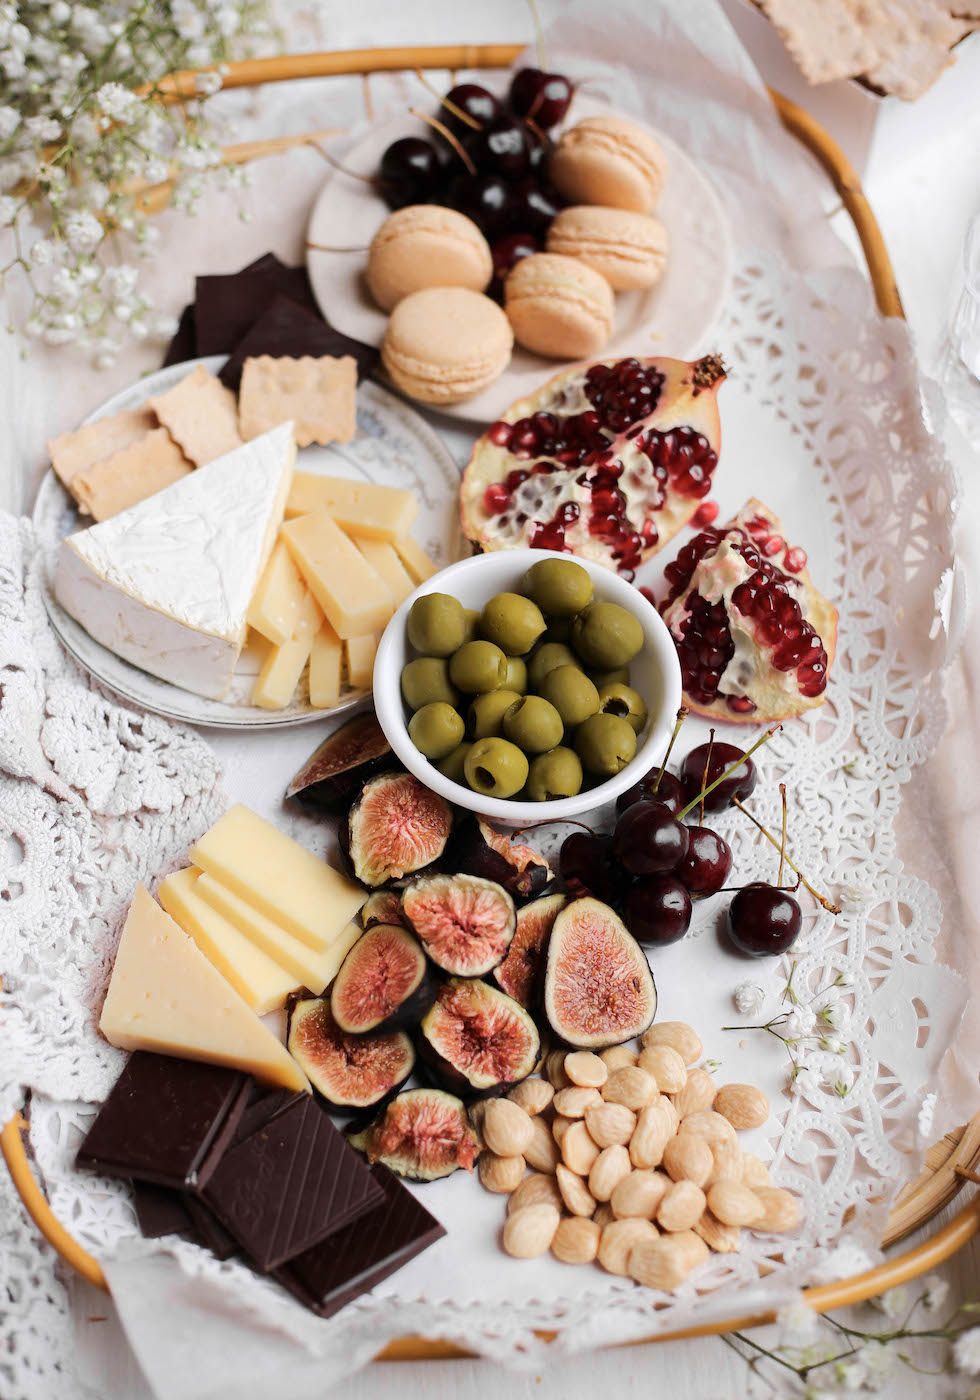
(256,978)
(325,659)
(164,996)
(279,676)
(382,557)
(360,653)
(354,596)
(415,559)
(381,512)
(314,970)
(278,876)
(275,607)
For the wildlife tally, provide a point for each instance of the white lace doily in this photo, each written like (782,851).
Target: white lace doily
(95,797)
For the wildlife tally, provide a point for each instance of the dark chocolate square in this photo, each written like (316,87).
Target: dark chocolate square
(352,1260)
(160,1210)
(262,1107)
(166,1121)
(287,329)
(182,347)
(289,1185)
(210,1231)
(226,306)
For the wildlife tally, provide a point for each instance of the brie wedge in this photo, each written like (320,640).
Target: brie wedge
(167,584)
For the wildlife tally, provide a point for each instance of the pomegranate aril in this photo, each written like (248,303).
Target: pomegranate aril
(795,560)
(496,498)
(547,537)
(524,435)
(499,433)
(515,478)
(706,512)
(740,704)
(775,544)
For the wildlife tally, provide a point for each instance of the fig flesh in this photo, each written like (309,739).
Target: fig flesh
(598,988)
(465,923)
(351,1071)
(384,983)
(396,827)
(521,972)
(423,1134)
(382,907)
(477,1039)
(479,849)
(333,773)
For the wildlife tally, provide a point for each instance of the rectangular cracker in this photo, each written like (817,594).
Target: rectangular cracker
(130,475)
(830,39)
(319,395)
(74,452)
(286,328)
(200,415)
(927,32)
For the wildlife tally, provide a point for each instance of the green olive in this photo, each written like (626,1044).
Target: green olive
(605,744)
(495,768)
(560,587)
(426,680)
(533,724)
(516,674)
(545,659)
(487,711)
(557,773)
(451,766)
(472,616)
(624,701)
(436,624)
(620,676)
(478,666)
(571,692)
(606,636)
(512,622)
(436,730)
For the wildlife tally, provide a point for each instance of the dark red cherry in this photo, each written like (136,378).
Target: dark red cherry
(658,910)
(486,199)
(502,147)
(707,864)
(740,784)
(585,865)
(409,172)
(670,792)
(763,921)
(649,839)
(544,97)
(475,101)
(510,249)
(532,206)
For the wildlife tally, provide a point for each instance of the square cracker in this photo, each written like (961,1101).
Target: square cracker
(72,453)
(200,415)
(830,39)
(927,33)
(320,396)
(134,472)
(286,328)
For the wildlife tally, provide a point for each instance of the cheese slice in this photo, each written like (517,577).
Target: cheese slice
(325,659)
(167,583)
(279,676)
(379,512)
(361,652)
(354,596)
(382,557)
(256,978)
(313,970)
(275,606)
(415,559)
(278,876)
(164,996)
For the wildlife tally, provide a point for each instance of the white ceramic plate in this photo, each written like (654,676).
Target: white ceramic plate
(673,318)
(393,447)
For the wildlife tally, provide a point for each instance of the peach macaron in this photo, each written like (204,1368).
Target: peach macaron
(444,344)
(611,161)
(627,248)
(426,245)
(559,306)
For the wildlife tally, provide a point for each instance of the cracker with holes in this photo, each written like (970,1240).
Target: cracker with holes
(136,471)
(832,39)
(200,415)
(73,453)
(319,395)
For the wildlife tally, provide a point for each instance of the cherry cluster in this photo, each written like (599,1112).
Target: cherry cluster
(486,159)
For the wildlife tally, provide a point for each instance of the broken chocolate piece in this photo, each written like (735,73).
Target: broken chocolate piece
(210,1231)
(182,347)
(227,305)
(286,328)
(161,1211)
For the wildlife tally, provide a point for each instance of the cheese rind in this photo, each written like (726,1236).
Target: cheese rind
(354,597)
(164,996)
(278,876)
(380,512)
(382,557)
(257,979)
(275,606)
(325,662)
(361,652)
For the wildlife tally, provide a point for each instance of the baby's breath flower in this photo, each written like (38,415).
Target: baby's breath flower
(923,1123)
(83,232)
(798,1323)
(877,1361)
(42,128)
(806,1082)
(800,1023)
(8,209)
(9,122)
(846,1260)
(966,1352)
(748,998)
(43,252)
(937,1291)
(839,1079)
(894,1304)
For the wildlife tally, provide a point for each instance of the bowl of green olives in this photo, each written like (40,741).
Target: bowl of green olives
(526,685)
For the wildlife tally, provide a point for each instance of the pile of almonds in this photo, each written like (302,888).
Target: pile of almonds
(635,1160)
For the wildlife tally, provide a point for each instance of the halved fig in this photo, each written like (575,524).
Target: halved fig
(477,1039)
(598,988)
(396,827)
(423,1134)
(382,907)
(479,849)
(351,1071)
(333,773)
(384,983)
(521,972)
(465,923)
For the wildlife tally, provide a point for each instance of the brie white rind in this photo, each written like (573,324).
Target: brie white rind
(166,584)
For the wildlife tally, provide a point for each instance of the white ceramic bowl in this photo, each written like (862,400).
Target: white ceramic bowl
(655,673)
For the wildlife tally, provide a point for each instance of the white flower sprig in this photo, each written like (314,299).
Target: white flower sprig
(78,142)
(810,1030)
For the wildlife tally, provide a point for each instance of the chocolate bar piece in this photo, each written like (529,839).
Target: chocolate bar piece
(289,1185)
(226,306)
(262,1107)
(352,1260)
(166,1121)
(184,344)
(287,329)
(210,1231)
(161,1211)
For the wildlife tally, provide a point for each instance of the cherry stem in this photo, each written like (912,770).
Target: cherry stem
(327,248)
(782,843)
(332,160)
(552,821)
(446,135)
(538,35)
(445,102)
(729,770)
(704,775)
(821,899)
(532,125)
(681,717)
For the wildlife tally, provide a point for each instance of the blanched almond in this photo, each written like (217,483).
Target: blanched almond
(666,1262)
(533,1095)
(678,1035)
(579,1148)
(723,1239)
(743,1105)
(507,1129)
(608,1170)
(726,1162)
(501,1174)
(574,1192)
(653,1131)
(698,1093)
(573,1102)
(631,1086)
(554,1069)
(585,1069)
(754,1171)
(535,1190)
(639,1194)
(529,1232)
(619,1239)
(665,1065)
(709,1125)
(576,1240)
(542,1151)
(682,1206)
(688,1158)
(560,1126)
(734,1204)
(610,1123)
(781,1210)
(603,1215)
(616,1056)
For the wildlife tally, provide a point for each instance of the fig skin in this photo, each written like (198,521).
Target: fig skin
(494,1002)
(425,1114)
(462,902)
(521,974)
(592,954)
(366,958)
(336,770)
(312,1029)
(382,907)
(479,849)
(391,794)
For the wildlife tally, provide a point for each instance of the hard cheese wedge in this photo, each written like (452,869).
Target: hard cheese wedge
(379,512)
(256,978)
(278,876)
(354,596)
(279,677)
(382,557)
(275,606)
(165,996)
(361,652)
(167,584)
(415,559)
(313,970)
(325,659)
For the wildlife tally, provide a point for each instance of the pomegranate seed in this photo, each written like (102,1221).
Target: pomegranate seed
(741,704)
(568,513)
(795,560)
(542,469)
(514,479)
(499,433)
(524,434)
(706,512)
(649,595)
(496,499)
(775,544)
(547,537)
(758,527)
(650,533)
